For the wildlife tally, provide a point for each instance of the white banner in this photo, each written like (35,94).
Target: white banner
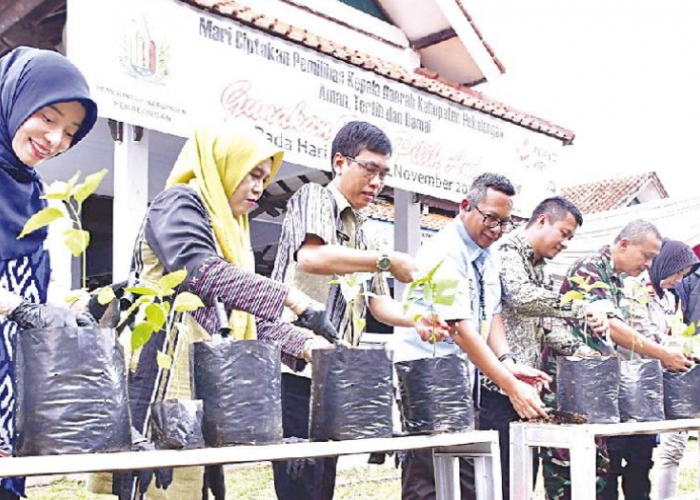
(167,66)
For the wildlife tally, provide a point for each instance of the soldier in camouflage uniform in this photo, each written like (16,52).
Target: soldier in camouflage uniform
(631,254)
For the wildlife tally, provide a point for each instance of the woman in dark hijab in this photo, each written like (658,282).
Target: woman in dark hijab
(45,109)
(675,261)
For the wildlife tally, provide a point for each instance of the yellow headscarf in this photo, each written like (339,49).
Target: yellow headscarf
(213,163)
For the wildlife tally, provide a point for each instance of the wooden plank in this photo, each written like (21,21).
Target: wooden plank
(80,463)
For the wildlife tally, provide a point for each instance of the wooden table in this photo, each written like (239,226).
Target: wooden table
(580,440)
(482,445)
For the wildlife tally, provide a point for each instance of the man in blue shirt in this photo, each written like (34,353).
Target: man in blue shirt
(463,247)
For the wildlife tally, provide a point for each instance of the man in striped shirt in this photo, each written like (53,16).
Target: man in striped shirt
(322,236)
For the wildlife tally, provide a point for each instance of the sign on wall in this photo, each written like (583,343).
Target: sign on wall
(168,66)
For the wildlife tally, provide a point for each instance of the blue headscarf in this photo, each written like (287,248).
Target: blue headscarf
(31,79)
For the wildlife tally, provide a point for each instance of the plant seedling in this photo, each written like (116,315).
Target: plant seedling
(351,286)
(585,294)
(688,335)
(72,195)
(154,305)
(430,292)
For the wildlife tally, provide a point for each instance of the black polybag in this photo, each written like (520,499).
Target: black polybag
(590,387)
(682,393)
(176,424)
(71,392)
(436,394)
(641,390)
(239,383)
(351,394)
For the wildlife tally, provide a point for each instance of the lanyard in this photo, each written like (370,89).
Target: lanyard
(482,300)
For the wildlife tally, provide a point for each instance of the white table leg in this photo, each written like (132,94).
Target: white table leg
(583,465)
(487,475)
(520,463)
(447,485)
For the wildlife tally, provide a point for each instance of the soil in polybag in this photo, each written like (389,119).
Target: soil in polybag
(239,383)
(176,424)
(589,387)
(436,394)
(71,392)
(351,394)
(641,390)
(682,393)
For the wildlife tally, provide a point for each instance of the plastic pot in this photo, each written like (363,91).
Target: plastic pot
(641,391)
(351,394)
(239,383)
(436,394)
(176,424)
(590,387)
(682,394)
(71,392)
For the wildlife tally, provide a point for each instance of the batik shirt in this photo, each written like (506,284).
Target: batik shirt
(528,303)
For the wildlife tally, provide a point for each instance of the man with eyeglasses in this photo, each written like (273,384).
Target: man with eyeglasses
(463,248)
(322,236)
(529,303)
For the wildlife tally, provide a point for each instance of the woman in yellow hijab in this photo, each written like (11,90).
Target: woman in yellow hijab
(200,223)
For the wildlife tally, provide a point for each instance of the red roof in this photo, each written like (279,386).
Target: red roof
(611,193)
(421,79)
(384,210)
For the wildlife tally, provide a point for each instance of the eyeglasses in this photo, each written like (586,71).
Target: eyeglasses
(493,222)
(370,170)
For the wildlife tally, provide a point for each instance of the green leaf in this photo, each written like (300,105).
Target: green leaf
(76,240)
(105,295)
(187,302)
(600,284)
(156,316)
(76,295)
(166,306)
(578,280)
(416,317)
(445,292)
(140,335)
(164,361)
(690,331)
(42,218)
(570,296)
(58,190)
(92,182)
(137,303)
(172,280)
(431,273)
(360,324)
(142,290)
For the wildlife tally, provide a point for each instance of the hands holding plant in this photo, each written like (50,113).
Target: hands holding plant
(431,328)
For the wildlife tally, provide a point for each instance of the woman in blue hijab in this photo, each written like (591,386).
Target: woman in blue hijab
(45,108)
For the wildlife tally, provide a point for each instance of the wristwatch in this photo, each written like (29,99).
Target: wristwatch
(383,263)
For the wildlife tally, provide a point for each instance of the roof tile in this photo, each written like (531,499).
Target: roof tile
(384,210)
(611,193)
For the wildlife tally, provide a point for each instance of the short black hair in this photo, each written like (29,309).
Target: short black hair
(556,208)
(356,137)
(480,185)
(637,231)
